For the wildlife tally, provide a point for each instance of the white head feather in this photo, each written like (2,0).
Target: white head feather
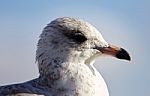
(57,43)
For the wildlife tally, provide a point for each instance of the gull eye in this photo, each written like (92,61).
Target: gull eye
(78,37)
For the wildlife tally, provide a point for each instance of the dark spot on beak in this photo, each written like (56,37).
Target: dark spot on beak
(123,54)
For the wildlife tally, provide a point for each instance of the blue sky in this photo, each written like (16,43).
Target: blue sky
(124,23)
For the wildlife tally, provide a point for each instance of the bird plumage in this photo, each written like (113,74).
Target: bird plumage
(65,54)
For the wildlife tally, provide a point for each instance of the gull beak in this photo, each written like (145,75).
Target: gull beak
(117,52)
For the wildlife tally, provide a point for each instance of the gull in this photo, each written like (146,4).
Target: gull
(66,52)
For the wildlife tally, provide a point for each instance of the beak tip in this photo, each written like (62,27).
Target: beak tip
(123,54)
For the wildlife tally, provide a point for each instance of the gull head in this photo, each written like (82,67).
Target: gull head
(74,40)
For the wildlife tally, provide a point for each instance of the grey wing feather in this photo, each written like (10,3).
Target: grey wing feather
(21,89)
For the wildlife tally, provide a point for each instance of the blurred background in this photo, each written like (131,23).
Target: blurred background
(125,23)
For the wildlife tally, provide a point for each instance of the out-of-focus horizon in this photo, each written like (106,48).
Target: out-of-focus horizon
(123,23)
